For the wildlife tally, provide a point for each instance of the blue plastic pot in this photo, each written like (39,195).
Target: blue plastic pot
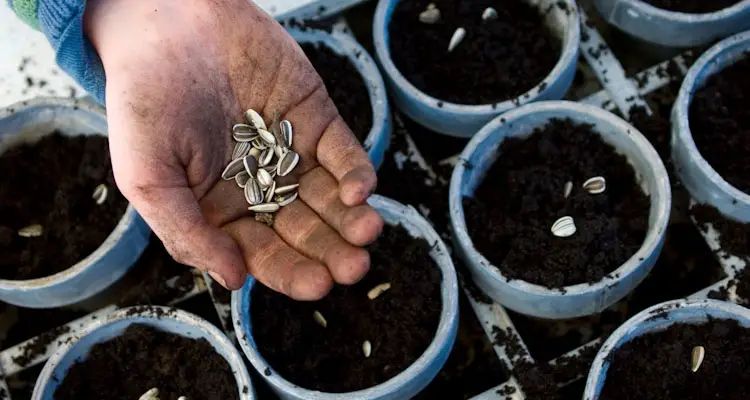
(465,120)
(27,122)
(701,180)
(163,318)
(674,29)
(569,301)
(378,139)
(654,319)
(410,381)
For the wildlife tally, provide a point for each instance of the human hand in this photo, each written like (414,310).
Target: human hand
(179,75)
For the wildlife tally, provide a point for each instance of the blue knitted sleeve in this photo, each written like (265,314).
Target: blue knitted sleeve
(61,21)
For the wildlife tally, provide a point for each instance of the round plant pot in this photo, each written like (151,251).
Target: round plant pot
(701,180)
(27,122)
(658,318)
(568,301)
(378,139)
(163,318)
(410,381)
(671,28)
(465,120)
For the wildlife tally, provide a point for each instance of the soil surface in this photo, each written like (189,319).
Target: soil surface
(720,123)
(509,219)
(143,358)
(400,323)
(51,184)
(658,366)
(497,60)
(345,86)
(692,6)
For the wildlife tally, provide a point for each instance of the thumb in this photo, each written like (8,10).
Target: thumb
(176,218)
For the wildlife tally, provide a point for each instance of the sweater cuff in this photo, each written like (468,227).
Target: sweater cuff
(61,21)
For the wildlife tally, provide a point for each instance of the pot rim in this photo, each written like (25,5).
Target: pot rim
(684,17)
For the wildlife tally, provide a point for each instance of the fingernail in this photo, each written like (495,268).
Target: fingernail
(217,278)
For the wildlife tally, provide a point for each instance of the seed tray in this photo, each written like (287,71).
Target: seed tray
(558,353)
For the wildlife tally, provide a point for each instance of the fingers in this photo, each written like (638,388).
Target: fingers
(175,217)
(299,226)
(341,154)
(359,225)
(275,264)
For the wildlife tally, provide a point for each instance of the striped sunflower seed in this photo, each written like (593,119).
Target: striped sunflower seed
(696,358)
(265,157)
(250,165)
(255,119)
(595,185)
(241,149)
(269,192)
(564,227)
(242,179)
(264,208)
(234,168)
(30,231)
(255,152)
(243,133)
(264,178)
(279,150)
(429,16)
(286,189)
(286,131)
(253,193)
(151,394)
(276,129)
(259,144)
(267,137)
(100,194)
(287,163)
(286,199)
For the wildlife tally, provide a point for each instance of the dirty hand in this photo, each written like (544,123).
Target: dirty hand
(179,75)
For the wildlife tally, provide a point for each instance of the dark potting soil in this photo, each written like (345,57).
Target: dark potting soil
(400,324)
(657,366)
(510,217)
(720,123)
(143,358)
(51,183)
(734,236)
(692,6)
(345,86)
(497,60)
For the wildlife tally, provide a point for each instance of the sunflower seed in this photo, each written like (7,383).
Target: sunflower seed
(264,208)
(595,185)
(280,150)
(564,227)
(378,290)
(267,137)
(286,131)
(243,133)
(489,13)
(286,189)
(30,231)
(265,157)
(258,143)
(100,194)
(697,357)
(241,149)
(367,348)
(254,119)
(264,178)
(276,129)
(457,37)
(271,169)
(287,199)
(250,164)
(429,16)
(568,189)
(287,163)
(242,179)
(318,317)
(253,193)
(269,192)
(182,398)
(150,394)
(234,168)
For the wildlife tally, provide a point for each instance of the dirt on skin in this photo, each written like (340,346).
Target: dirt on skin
(51,183)
(399,324)
(497,60)
(522,196)
(143,358)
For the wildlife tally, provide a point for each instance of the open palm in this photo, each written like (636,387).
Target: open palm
(178,77)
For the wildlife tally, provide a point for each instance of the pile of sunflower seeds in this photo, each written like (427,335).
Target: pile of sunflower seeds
(261,156)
